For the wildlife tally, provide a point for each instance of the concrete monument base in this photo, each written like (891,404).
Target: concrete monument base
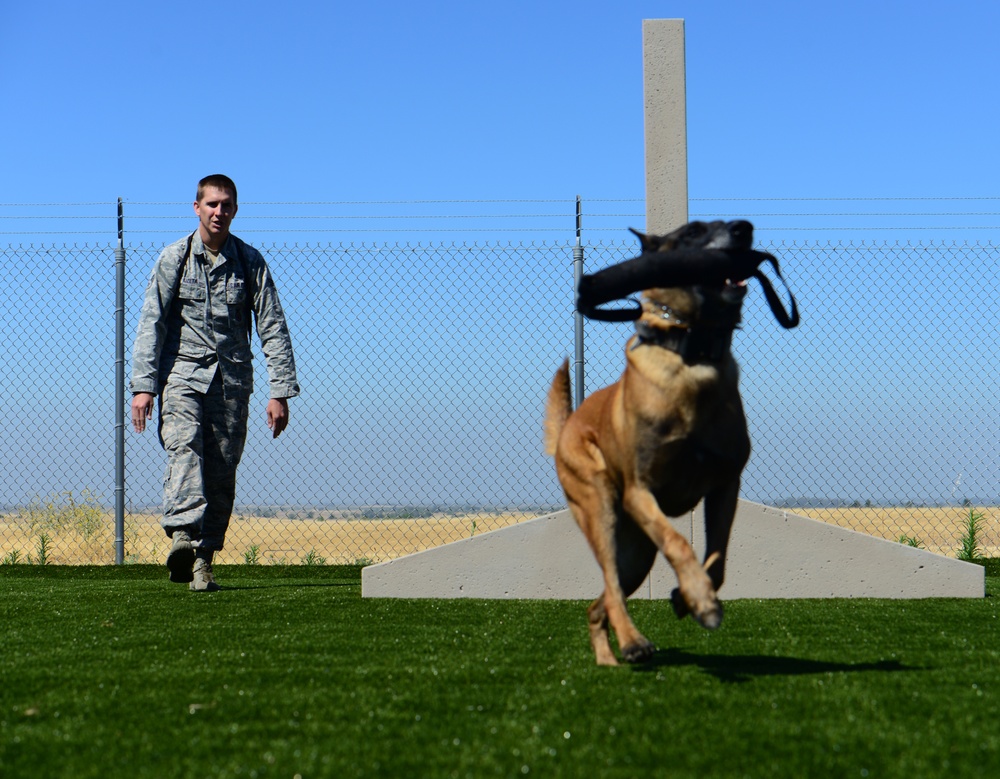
(773,554)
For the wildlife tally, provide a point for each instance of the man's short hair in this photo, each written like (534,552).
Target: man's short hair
(216,180)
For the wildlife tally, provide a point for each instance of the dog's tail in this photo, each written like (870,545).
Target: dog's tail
(558,407)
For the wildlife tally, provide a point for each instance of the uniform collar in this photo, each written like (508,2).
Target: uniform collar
(198,247)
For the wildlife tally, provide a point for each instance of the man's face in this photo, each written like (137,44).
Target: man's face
(215,211)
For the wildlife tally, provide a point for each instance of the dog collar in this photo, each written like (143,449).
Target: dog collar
(693,345)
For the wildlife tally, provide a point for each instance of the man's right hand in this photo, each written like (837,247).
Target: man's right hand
(142,409)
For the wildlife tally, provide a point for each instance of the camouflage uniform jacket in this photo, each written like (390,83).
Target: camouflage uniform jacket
(195,321)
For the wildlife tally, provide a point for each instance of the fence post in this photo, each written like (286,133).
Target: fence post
(578,360)
(120,390)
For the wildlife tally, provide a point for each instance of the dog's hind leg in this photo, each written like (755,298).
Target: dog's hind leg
(695,591)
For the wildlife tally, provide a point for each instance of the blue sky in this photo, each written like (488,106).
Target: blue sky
(543,99)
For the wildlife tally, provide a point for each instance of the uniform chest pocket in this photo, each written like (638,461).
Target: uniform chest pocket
(192,289)
(236,292)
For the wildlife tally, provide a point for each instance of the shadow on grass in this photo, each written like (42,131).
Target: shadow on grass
(743,668)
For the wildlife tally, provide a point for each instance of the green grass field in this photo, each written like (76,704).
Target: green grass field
(115,672)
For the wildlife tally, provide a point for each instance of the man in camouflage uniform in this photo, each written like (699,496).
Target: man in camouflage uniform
(193,350)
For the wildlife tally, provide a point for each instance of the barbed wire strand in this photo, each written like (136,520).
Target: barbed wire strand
(514,200)
(373,231)
(346,217)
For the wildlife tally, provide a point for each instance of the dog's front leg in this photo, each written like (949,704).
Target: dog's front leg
(696,590)
(597,622)
(597,519)
(719,509)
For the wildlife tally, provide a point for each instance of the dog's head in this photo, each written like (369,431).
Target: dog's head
(700,235)
(716,305)
(708,261)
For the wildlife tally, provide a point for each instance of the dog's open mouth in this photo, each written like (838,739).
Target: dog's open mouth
(732,290)
(738,287)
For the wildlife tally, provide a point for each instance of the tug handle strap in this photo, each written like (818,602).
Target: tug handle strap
(680,268)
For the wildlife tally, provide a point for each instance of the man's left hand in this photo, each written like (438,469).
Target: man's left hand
(277,415)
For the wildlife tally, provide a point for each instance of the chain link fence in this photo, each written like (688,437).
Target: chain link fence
(424,371)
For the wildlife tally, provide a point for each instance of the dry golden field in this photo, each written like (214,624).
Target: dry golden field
(939,529)
(334,541)
(258,539)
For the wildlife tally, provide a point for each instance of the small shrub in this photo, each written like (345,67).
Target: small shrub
(910,541)
(13,557)
(252,555)
(313,559)
(44,542)
(969,550)
(64,511)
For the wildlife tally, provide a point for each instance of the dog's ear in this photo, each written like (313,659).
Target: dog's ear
(648,243)
(655,243)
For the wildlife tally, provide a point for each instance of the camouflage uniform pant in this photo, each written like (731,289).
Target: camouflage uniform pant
(203,435)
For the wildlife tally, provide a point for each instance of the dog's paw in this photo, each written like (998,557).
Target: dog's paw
(638,651)
(710,618)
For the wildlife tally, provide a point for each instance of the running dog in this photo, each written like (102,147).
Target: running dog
(667,435)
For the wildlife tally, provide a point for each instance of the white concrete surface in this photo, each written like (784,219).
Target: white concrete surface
(773,554)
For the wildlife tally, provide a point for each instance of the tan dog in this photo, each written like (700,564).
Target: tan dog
(667,435)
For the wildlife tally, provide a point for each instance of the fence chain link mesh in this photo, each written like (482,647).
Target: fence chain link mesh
(424,371)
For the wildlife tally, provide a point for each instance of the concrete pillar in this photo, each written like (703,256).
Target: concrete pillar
(665,99)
